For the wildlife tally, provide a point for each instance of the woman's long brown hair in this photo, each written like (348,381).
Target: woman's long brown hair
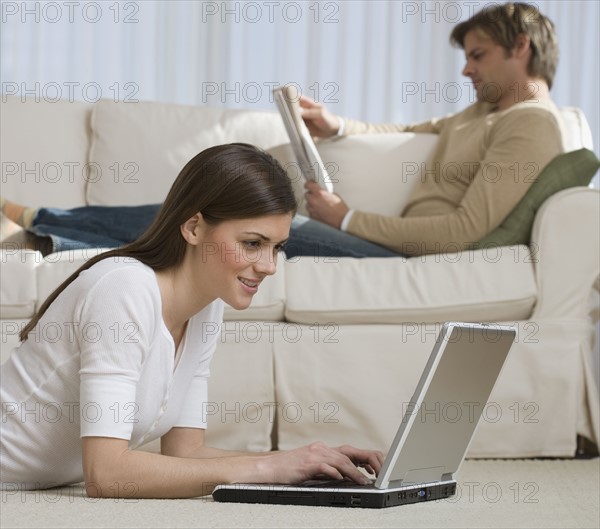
(233,181)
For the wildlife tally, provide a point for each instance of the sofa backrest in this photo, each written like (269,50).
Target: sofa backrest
(372,172)
(67,154)
(138,149)
(577,128)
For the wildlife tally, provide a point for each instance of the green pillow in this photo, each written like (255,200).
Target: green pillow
(570,169)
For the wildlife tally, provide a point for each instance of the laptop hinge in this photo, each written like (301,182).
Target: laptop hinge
(405,483)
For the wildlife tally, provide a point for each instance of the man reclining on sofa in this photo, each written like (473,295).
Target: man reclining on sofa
(485,161)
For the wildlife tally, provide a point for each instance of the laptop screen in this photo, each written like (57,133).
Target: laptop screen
(441,418)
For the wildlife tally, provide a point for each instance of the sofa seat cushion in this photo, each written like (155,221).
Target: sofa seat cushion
(18,288)
(56,267)
(268,303)
(480,285)
(138,149)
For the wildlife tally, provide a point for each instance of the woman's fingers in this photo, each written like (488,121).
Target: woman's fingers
(373,458)
(338,461)
(318,460)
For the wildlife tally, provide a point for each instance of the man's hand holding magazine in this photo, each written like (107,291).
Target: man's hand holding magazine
(320,122)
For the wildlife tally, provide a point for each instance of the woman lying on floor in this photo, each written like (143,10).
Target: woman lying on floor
(134,365)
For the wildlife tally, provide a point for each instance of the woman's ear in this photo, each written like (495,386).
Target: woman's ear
(192,229)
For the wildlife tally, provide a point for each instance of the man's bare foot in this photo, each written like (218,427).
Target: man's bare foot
(14,237)
(21,215)
(8,228)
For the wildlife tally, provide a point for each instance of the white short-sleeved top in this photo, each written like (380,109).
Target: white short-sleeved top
(101,362)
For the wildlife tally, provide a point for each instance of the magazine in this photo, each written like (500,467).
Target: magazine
(304,148)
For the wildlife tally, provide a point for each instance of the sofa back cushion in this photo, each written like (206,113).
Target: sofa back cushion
(139,148)
(44,147)
(372,172)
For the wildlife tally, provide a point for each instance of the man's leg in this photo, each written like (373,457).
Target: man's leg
(310,237)
(57,230)
(92,226)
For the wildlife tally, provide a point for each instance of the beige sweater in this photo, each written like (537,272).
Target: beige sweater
(482,165)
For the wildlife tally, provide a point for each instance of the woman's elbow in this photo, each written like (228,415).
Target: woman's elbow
(99,482)
(103,462)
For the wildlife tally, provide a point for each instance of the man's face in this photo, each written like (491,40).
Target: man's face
(495,76)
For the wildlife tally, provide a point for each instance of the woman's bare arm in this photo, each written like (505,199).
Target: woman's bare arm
(112,470)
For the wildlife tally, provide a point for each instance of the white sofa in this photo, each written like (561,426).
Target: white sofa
(330,349)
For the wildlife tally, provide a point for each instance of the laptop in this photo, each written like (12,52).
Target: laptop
(432,439)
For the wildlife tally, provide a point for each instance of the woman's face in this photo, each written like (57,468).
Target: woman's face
(236,255)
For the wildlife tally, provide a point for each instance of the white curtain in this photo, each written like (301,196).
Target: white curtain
(374,60)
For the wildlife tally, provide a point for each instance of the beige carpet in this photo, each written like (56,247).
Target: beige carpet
(523,493)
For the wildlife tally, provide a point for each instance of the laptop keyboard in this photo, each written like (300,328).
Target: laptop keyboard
(335,484)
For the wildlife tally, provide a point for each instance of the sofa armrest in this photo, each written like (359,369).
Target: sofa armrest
(371,172)
(565,244)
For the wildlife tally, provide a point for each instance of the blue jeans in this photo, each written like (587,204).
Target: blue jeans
(112,226)
(310,237)
(92,226)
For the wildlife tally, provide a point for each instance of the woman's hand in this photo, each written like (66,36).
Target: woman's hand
(318,461)
(319,121)
(370,460)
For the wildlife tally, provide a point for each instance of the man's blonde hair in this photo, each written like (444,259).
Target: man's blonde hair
(504,23)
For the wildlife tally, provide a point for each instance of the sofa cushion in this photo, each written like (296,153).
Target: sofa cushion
(377,173)
(372,172)
(268,303)
(56,267)
(138,149)
(44,148)
(577,132)
(571,169)
(495,284)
